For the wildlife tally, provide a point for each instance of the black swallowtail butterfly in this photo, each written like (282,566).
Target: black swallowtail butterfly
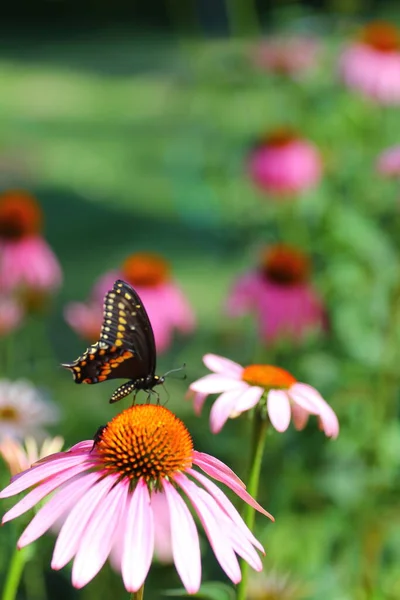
(126,348)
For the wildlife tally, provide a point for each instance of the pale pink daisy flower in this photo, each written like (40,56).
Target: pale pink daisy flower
(105,497)
(371,65)
(24,410)
(165,302)
(280,295)
(242,388)
(283,164)
(388,162)
(287,55)
(20,457)
(27,263)
(11,314)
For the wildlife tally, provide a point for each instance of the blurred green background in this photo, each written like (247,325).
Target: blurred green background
(131,126)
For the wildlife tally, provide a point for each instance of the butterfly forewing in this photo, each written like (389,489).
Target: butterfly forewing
(126,348)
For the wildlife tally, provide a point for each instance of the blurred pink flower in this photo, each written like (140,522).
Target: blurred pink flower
(283,164)
(105,497)
(21,457)
(244,387)
(388,162)
(85,319)
(371,65)
(280,294)
(287,55)
(11,314)
(27,263)
(165,303)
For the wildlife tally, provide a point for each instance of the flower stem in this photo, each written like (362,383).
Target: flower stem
(18,560)
(260,426)
(139,594)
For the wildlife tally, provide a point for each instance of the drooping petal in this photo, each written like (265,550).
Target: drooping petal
(222,408)
(278,409)
(249,398)
(300,394)
(227,506)
(97,539)
(211,521)
(304,392)
(300,416)
(40,472)
(215,468)
(71,533)
(223,366)
(162,528)
(139,538)
(198,400)
(56,507)
(40,492)
(185,539)
(215,384)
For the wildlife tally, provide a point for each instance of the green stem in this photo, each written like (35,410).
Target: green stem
(138,595)
(260,426)
(242,17)
(18,560)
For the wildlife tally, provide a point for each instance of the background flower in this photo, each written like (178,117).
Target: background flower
(388,162)
(288,55)
(20,457)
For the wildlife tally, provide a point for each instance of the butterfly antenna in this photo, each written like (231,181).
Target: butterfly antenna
(177,371)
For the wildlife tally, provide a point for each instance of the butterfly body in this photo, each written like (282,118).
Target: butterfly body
(126,349)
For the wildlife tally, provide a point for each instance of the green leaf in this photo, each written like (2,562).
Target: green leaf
(213,590)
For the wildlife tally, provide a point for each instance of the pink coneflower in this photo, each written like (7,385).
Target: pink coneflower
(27,263)
(242,388)
(105,496)
(287,55)
(280,294)
(85,319)
(388,162)
(371,65)
(11,314)
(284,164)
(165,303)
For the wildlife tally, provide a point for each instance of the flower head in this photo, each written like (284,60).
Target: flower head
(242,388)
(20,457)
(105,497)
(284,164)
(280,294)
(388,162)
(371,65)
(275,586)
(287,55)
(165,303)
(23,410)
(27,263)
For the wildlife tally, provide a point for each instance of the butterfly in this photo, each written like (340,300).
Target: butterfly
(126,348)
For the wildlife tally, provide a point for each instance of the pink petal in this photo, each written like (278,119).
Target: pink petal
(222,408)
(215,384)
(215,468)
(227,506)
(162,528)
(302,394)
(139,538)
(249,398)
(328,417)
(71,533)
(211,521)
(40,472)
(300,416)
(185,539)
(39,492)
(97,539)
(223,366)
(56,507)
(278,409)
(198,400)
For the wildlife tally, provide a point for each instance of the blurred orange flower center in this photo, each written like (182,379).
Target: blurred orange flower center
(20,215)
(145,269)
(8,413)
(146,441)
(281,136)
(381,36)
(285,265)
(268,376)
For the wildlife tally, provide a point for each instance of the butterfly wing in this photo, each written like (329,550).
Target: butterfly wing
(126,348)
